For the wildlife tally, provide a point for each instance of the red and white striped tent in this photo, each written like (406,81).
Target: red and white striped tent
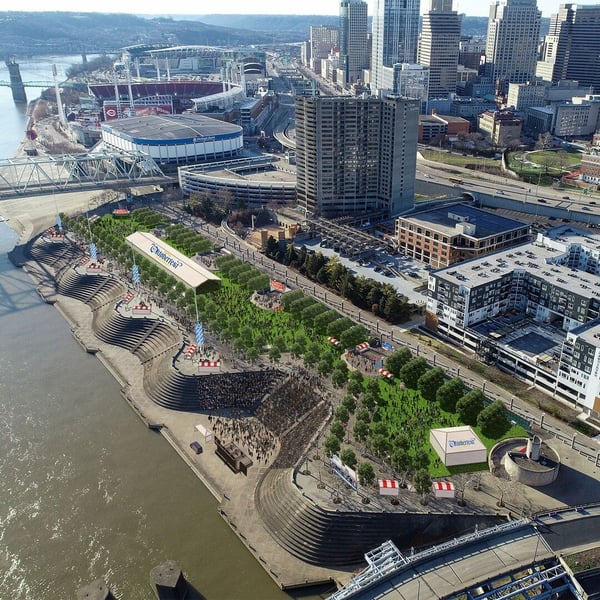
(190,351)
(388,487)
(443,489)
(209,366)
(362,347)
(333,341)
(385,374)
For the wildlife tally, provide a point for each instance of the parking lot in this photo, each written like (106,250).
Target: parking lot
(404,273)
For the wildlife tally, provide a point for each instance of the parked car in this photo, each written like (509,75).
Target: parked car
(196,447)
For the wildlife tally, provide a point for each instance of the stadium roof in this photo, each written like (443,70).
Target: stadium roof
(172,127)
(184,269)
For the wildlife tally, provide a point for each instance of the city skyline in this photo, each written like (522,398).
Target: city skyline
(274,7)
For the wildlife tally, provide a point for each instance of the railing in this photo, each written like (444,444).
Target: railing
(386,560)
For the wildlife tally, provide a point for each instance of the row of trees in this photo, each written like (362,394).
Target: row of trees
(242,273)
(317,316)
(187,241)
(451,394)
(382,299)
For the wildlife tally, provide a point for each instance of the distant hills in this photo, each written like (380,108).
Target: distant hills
(36,33)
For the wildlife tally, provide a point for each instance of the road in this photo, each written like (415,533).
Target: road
(396,335)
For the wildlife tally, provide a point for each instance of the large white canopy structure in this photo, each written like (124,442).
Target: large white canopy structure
(184,269)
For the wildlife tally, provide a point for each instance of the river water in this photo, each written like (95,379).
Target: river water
(87,490)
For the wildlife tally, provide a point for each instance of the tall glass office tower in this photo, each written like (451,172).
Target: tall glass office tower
(395,36)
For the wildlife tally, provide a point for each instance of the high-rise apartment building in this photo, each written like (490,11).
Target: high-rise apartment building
(395,36)
(512,41)
(354,46)
(355,155)
(439,47)
(571,50)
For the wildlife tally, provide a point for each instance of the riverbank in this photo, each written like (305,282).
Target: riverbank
(234,492)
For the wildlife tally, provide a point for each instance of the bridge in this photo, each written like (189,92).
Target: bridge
(32,84)
(66,172)
(513,560)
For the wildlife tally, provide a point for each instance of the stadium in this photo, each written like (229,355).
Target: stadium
(174,139)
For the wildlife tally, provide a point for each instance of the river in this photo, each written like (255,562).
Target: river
(87,491)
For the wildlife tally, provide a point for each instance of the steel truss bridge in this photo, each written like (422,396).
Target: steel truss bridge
(67,172)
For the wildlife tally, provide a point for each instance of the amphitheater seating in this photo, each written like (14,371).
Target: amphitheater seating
(53,254)
(94,290)
(175,390)
(340,538)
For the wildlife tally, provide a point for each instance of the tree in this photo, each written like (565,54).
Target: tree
(360,431)
(342,414)
(338,430)
(366,474)
(349,403)
(331,445)
(469,407)
(271,247)
(372,394)
(430,382)
(402,463)
(325,365)
(421,459)
(379,444)
(493,420)
(397,360)
(422,484)
(354,387)
(412,371)
(348,457)
(274,354)
(450,393)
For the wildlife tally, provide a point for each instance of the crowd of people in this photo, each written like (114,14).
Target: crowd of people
(359,361)
(293,442)
(236,390)
(248,433)
(287,403)
(267,300)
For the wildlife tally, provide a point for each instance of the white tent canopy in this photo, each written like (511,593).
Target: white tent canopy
(184,269)
(457,445)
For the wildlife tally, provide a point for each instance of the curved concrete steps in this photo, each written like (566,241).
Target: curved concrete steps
(341,538)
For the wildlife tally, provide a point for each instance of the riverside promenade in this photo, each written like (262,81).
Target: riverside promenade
(236,494)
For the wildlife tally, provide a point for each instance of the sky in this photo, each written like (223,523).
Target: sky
(283,7)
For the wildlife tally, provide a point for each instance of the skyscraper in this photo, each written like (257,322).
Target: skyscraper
(322,39)
(512,40)
(571,50)
(395,36)
(439,46)
(354,48)
(355,155)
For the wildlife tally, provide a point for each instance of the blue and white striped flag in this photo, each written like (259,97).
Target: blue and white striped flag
(135,270)
(59,222)
(199,331)
(93,251)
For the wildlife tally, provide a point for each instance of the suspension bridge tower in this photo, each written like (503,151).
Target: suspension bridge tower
(16,83)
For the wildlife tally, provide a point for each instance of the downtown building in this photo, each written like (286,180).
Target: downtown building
(323,39)
(439,47)
(512,42)
(355,155)
(571,50)
(354,40)
(395,37)
(532,310)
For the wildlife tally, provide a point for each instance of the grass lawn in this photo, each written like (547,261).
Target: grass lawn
(457,160)
(409,412)
(541,165)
